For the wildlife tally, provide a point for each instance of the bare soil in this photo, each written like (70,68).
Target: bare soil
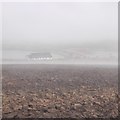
(60,91)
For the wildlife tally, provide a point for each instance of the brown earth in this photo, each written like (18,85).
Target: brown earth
(60,91)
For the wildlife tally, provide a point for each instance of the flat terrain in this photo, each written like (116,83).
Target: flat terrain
(57,91)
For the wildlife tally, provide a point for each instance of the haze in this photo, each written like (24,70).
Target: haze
(60,27)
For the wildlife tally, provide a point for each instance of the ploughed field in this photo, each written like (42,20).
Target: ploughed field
(59,91)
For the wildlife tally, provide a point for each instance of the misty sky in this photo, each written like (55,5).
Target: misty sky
(44,26)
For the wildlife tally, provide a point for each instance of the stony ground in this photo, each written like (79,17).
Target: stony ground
(60,91)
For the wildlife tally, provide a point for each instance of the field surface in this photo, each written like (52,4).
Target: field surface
(59,91)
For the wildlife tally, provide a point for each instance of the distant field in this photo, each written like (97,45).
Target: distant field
(55,91)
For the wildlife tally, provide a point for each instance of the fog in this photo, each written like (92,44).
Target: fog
(74,32)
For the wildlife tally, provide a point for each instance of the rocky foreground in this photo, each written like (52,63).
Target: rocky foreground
(59,91)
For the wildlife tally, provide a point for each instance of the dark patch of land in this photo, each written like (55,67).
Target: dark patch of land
(60,91)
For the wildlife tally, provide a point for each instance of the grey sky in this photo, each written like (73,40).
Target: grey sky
(36,26)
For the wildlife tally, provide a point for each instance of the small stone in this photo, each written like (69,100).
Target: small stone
(57,106)
(44,110)
(77,106)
